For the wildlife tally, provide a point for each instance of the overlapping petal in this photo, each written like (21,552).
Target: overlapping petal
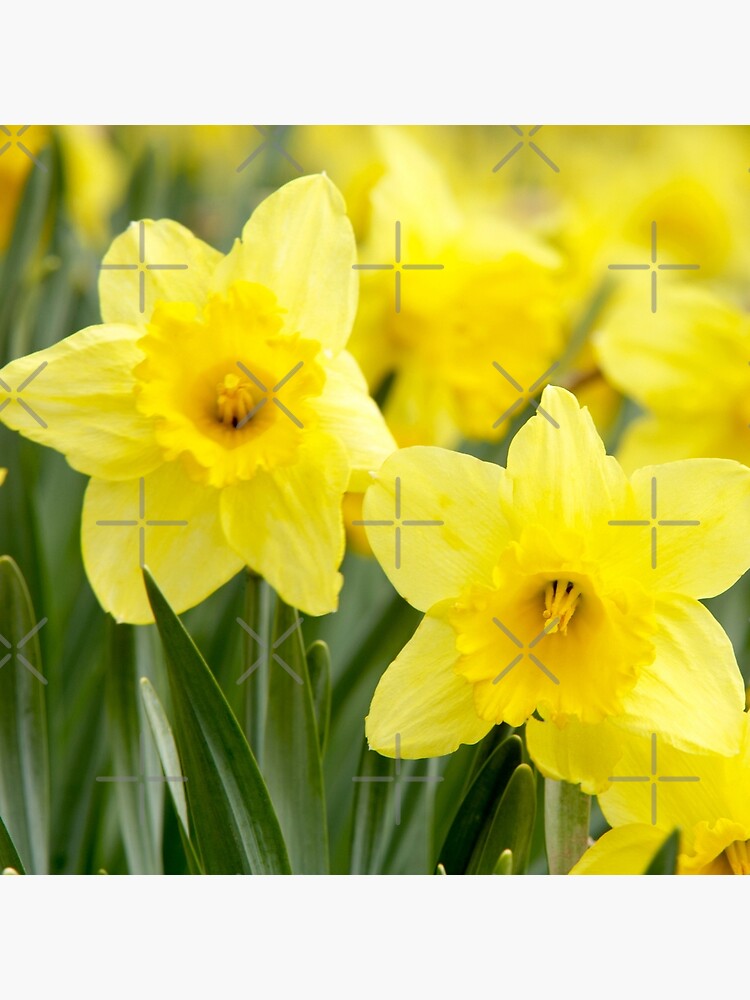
(130,523)
(422,707)
(78,397)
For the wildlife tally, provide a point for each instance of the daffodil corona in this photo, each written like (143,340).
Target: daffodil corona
(559,587)
(216,409)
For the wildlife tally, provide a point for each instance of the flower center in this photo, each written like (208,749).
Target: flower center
(560,603)
(738,856)
(235,400)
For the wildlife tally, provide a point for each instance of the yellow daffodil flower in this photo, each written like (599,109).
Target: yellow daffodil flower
(657,788)
(688,366)
(216,410)
(562,587)
(458,305)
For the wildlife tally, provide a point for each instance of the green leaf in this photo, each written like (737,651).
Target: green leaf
(171,766)
(319,668)
(231,817)
(473,820)
(664,862)
(8,854)
(140,803)
(511,826)
(372,790)
(257,612)
(291,757)
(567,813)
(24,762)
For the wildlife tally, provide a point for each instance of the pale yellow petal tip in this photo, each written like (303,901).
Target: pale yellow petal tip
(3,474)
(10,871)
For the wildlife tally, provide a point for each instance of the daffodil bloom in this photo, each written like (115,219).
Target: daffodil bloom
(561,587)
(688,366)
(460,308)
(216,410)
(705,796)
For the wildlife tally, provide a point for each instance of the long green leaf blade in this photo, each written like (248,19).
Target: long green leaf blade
(24,761)
(512,826)
(470,827)
(319,667)
(291,758)
(232,818)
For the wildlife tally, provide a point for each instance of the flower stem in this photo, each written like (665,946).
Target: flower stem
(566,824)
(258,600)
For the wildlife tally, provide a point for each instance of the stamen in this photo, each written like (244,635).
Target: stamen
(234,400)
(560,602)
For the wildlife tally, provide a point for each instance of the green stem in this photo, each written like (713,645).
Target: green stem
(257,607)
(566,824)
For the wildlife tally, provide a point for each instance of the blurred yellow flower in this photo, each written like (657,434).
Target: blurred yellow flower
(216,410)
(688,366)
(704,796)
(93,173)
(558,586)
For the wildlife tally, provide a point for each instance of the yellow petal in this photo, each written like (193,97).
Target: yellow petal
(346,410)
(153,261)
(299,243)
(701,559)
(628,850)
(692,693)
(422,700)
(687,358)
(580,753)
(669,438)
(287,524)
(560,470)
(79,398)
(439,523)
(676,789)
(188,560)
